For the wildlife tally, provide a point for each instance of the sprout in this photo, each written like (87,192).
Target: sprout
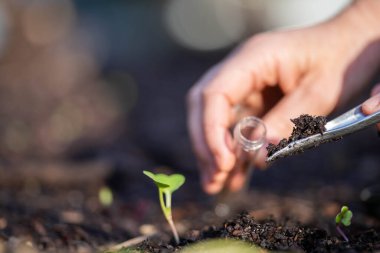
(167,184)
(105,196)
(344,217)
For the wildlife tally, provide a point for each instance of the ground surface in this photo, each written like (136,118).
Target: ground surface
(54,206)
(279,236)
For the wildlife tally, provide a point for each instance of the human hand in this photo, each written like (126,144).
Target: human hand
(314,68)
(372,104)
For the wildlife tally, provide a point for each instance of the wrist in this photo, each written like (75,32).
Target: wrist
(361,20)
(354,32)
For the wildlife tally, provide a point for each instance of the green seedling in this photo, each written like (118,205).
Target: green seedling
(167,184)
(344,217)
(105,196)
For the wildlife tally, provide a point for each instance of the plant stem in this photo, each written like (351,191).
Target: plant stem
(174,230)
(166,209)
(340,231)
(162,202)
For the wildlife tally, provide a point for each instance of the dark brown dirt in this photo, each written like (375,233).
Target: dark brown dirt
(304,126)
(272,235)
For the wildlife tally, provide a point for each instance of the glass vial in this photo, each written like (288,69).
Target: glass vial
(249,137)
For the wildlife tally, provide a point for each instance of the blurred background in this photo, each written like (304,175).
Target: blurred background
(82,79)
(90,80)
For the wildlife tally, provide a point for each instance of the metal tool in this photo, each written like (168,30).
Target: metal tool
(347,123)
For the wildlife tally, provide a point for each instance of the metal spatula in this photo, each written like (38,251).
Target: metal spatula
(347,123)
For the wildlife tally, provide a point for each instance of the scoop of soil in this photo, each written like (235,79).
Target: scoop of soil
(304,126)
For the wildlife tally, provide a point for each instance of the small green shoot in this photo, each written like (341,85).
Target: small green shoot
(344,217)
(167,184)
(105,196)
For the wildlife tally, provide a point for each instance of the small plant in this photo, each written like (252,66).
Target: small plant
(105,196)
(344,217)
(167,184)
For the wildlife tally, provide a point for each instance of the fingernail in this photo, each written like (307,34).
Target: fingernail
(220,176)
(237,182)
(261,157)
(214,188)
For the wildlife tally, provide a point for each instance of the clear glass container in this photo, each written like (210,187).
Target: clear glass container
(249,137)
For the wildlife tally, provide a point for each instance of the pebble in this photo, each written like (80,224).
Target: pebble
(147,229)
(72,216)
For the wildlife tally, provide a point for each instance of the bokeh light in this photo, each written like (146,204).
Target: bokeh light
(299,13)
(205,24)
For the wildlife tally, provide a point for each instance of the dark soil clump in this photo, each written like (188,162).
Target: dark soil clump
(304,126)
(272,235)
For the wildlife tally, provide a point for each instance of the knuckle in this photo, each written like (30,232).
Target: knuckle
(326,100)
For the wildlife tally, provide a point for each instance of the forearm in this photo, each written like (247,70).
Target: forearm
(355,35)
(361,20)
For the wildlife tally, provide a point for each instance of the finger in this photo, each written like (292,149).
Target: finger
(260,160)
(202,153)
(217,120)
(210,117)
(217,181)
(237,180)
(216,184)
(376,90)
(372,104)
(239,174)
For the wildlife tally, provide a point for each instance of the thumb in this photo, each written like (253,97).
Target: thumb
(306,99)
(372,104)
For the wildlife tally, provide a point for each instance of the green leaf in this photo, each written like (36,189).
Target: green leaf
(346,220)
(168,182)
(344,216)
(153,177)
(338,218)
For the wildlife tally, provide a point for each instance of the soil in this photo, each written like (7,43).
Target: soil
(304,126)
(272,235)
(54,206)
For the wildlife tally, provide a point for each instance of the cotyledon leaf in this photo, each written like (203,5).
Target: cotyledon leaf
(168,182)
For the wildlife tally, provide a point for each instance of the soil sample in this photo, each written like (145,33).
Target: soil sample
(304,126)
